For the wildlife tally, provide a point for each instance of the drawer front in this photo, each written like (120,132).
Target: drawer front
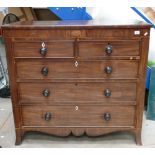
(104,116)
(44,49)
(102,49)
(85,33)
(44,69)
(85,91)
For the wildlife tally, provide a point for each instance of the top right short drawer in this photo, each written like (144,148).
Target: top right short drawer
(110,48)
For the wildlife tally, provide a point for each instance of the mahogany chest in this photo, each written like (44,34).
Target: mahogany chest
(77,77)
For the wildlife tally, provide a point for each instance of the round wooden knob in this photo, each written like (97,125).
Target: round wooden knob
(46,93)
(108,49)
(107,116)
(107,93)
(43,51)
(47,116)
(108,70)
(44,71)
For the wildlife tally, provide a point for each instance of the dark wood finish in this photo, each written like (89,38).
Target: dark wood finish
(97,49)
(83,116)
(89,78)
(30,69)
(62,92)
(32,49)
(68,33)
(87,49)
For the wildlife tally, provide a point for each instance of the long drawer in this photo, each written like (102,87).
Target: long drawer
(103,116)
(99,49)
(44,49)
(48,68)
(70,91)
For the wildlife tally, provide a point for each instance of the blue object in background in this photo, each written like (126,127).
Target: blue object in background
(71,13)
(148,74)
(143,16)
(150,114)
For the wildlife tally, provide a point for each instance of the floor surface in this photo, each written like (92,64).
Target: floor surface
(37,140)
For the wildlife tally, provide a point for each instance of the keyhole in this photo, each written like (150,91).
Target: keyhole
(76,64)
(43,45)
(76,108)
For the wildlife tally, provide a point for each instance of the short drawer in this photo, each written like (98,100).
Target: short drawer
(44,69)
(103,116)
(100,49)
(82,91)
(44,49)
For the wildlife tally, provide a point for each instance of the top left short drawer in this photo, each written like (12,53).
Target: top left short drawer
(53,49)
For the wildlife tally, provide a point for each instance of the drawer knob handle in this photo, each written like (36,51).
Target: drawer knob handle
(107,116)
(44,71)
(43,50)
(46,93)
(47,116)
(108,49)
(107,93)
(108,70)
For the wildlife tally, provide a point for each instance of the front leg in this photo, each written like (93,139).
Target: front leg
(138,138)
(19,136)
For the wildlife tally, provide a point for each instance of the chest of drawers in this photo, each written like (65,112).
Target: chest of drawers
(77,77)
